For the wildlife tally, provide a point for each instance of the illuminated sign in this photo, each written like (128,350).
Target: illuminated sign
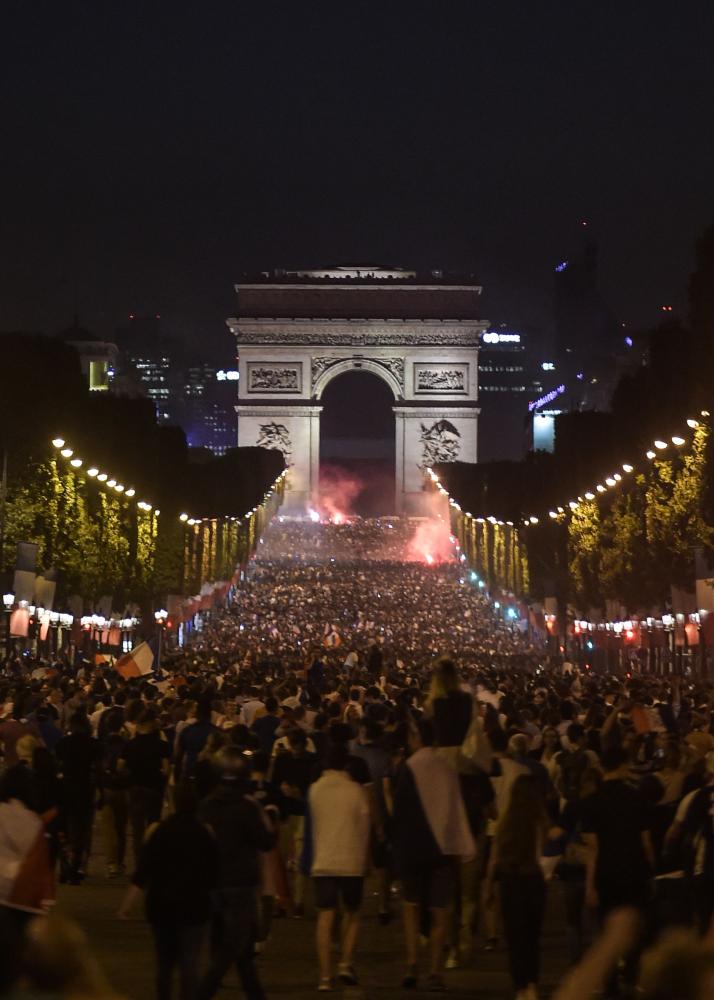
(547,398)
(548,366)
(491,337)
(559,268)
(229,376)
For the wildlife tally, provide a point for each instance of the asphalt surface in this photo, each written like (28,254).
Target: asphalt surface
(288,966)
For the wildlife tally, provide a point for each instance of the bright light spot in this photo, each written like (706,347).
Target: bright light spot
(130,493)
(553,514)
(497,605)
(610,481)
(600,488)
(58,442)
(313,515)
(429,558)
(93,472)
(111,483)
(76,462)
(690,423)
(589,496)
(184,517)
(66,453)
(512,613)
(678,440)
(650,454)
(102,477)
(660,444)
(617,477)
(119,488)
(627,467)
(474,577)
(482,583)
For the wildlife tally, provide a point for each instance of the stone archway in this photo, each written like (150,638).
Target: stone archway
(290,349)
(358,443)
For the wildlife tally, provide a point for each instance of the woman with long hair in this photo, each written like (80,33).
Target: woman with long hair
(515,862)
(448,707)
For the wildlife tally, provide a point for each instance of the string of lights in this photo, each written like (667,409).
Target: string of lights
(105,480)
(110,482)
(659,446)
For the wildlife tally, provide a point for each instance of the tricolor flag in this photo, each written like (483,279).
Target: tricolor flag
(137,663)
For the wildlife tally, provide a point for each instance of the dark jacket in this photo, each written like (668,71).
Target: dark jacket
(241,831)
(178,866)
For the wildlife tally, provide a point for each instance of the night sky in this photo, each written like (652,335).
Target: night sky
(153,150)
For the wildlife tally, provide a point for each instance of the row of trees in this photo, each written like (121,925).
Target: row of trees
(633,544)
(100,543)
(638,542)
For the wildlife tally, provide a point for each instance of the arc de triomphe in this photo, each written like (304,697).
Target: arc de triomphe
(296,331)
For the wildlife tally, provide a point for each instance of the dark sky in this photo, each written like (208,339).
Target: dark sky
(152,150)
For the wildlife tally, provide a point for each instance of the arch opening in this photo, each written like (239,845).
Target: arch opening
(357,444)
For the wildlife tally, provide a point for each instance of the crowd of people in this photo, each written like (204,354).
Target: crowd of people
(359,716)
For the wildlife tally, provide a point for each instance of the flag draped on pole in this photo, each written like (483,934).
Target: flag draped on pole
(137,663)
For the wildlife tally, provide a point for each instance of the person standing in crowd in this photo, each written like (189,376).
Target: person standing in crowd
(339,834)
(242,832)
(178,871)
(698,830)
(293,772)
(515,863)
(146,762)
(447,705)
(191,741)
(619,860)
(265,725)
(431,836)
(114,782)
(79,757)
(13,729)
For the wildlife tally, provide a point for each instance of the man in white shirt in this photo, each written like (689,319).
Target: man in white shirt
(251,707)
(339,822)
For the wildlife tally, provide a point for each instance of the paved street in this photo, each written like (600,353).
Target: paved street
(288,965)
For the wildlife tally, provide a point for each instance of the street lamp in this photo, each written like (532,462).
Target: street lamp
(8,601)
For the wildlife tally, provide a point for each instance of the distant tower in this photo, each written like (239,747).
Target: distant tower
(587,333)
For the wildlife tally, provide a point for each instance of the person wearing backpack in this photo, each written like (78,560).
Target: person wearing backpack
(570,765)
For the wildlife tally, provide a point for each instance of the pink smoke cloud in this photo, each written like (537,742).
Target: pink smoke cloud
(338,491)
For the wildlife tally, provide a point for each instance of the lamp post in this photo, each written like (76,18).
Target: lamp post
(160,618)
(8,601)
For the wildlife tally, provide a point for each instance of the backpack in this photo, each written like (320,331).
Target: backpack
(573,764)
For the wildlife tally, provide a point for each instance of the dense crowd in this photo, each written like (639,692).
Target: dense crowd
(359,713)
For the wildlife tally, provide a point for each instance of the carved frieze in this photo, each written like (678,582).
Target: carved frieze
(342,335)
(441,378)
(274,378)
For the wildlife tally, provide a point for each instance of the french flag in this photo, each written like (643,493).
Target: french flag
(139,662)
